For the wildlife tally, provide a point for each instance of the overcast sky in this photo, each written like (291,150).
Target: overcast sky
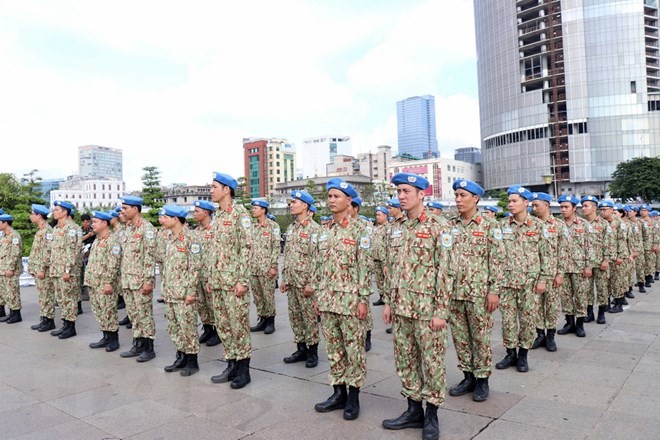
(179,84)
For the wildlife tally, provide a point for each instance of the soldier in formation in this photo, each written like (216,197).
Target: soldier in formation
(11,266)
(38,266)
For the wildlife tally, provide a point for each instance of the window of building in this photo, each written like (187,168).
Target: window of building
(633,86)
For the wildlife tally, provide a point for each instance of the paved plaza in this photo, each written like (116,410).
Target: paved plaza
(604,386)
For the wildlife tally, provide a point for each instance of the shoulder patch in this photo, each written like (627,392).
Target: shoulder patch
(15,241)
(497,234)
(447,240)
(79,234)
(567,231)
(49,236)
(149,234)
(72,232)
(116,249)
(246,222)
(194,248)
(546,233)
(315,238)
(365,242)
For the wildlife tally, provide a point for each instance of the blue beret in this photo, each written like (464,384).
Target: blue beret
(161,212)
(73,211)
(521,191)
(64,204)
(606,204)
(468,186)
(568,198)
(324,218)
(1,212)
(635,208)
(653,213)
(589,199)
(261,203)
(507,214)
(175,211)
(394,203)
(313,209)
(132,200)
(436,205)
(204,204)
(303,196)
(410,179)
(390,219)
(39,209)
(627,208)
(225,179)
(6,218)
(357,201)
(341,185)
(271,216)
(383,210)
(101,215)
(647,207)
(364,217)
(118,209)
(542,196)
(491,208)
(113,213)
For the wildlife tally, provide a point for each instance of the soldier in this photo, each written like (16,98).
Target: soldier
(11,266)
(180,285)
(297,269)
(655,215)
(476,277)
(138,278)
(342,285)
(117,227)
(356,205)
(491,211)
(264,259)
(637,248)
(229,275)
(101,277)
(161,245)
(648,239)
(394,240)
(38,267)
(379,247)
(619,269)
(64,267)
(578,264)
(548,301)
(436,208)
(203,214)
(418,307)
(526,270)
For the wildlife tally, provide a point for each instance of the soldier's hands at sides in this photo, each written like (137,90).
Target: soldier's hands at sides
(604,265)
(540,287)
(308,291)
(492,302)
(587,273)
(240,290)
(41,275)
(9,273)
(361,312)
(190,299)
(284,288)
(437,324)
(558,281)
(107,289)
(387,314)
(272,273)
(208,288)
(67,276)
(147,288)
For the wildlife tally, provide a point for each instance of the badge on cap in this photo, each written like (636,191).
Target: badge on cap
(521,190)
(194,248)
(215,175)
(298,194)
(343,185)
(412,179)
(463,184)
(116,249)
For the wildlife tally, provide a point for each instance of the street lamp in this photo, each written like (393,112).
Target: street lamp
(547,179)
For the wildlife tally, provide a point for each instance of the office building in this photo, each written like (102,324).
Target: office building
(416,127)
(267,162)
(99,162)
(468,154)
(88,194)
(318,152)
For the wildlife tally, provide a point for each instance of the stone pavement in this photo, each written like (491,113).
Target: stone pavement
(606,385)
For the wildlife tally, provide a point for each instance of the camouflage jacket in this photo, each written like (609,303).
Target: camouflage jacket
(647,234)
(264,247)
(393,254)
(228,255)
(636,236)
(138,255)
(526,256)
(183,261)
(341,279)
(11,253)
(555,249)
(579,245)
(475,265)
(604,244)
(161,246)
(622,237)
(104,261)
(205,239)
(40,253)
(421,288)
(379,244)
(65,249)
(300,253)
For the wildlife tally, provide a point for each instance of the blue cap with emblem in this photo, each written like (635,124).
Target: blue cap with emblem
(627,208)
(271,216)
(64,204)
(491,208)
(589,199)
(261,203)
(313,209)
(520,190)
(6,218)
(204,204)
(161,212)
(357,201)
(507,214)
(225,179)
(303,196)
(394,203)
(436,205)
(647,207)
(102,215)
(341,185)
(372,220)
(175,211)
(542,196)
(364,217)
(113,213)
(39,209)
(653,213)
(606,204)
(468,186)
(118,209)
(324,218)
(132,200)
(415,180)
(382,209)
(568,198)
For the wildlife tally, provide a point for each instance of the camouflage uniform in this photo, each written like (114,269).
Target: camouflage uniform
(379,249)
(604,249)
(64,256)
(420,292)
(264,255)
(341,283)
(228,265)
(11,259)
(579,249)
(395,241)
(620,274)
(638,246)
(120,233)
(369,322)
(297,270)
(548,303)
(183,261)
(475,271)
(204,298)
(525,263)
(137,269)
(39,261)
(102,269)
(647,239)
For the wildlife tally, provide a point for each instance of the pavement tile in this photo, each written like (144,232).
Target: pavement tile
(72,430)
(27,419)
(192,427)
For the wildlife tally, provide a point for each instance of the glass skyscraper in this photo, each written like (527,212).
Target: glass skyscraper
(416,127)
(100,162)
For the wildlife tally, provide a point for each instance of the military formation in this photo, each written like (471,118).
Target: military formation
(433,273)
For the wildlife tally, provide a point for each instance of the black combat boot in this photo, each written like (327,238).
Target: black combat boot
(540,339)
(522,360)
(242,374)
(228,374)
(270,325)
(379,302)
(413,417)
(69,330)
(579,328)
(297,356)
(312,356)
(510,360)
(569,327)
(80,310)
(648,280)
(336,401)
(15,317)
(601,315)
(481,390)
(102,343)
(8,317)
(178,363)
(49,324)
(388,330)
(431,429)
(113,344)
(260,326)
(623,301)
(206,334)
(367,341)
(39,324)
(129,325)
(214,339)
(550,343)
(651,279)
(2,313)
(59,330)
(465,386)
(657,276)
(148,353)
(590,314)
(617,307)
(191,367)
(124,321)
(120,302)
(136,349)
(629,294)
(641,288)
(352,408)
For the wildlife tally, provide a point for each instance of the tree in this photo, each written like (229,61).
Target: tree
(637,178)
(503,201)
(242,196)
(152,193)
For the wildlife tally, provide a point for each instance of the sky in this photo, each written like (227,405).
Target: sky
(179,85)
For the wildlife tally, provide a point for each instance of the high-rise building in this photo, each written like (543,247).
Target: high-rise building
(267,162)
(318,152)
(48,185)
(375,165)
(100,162)
(468,154)
(567,90)
(416,127)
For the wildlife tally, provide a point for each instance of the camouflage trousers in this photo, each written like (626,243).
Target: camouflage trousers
(574,294)
(205,305)
(104,306)
(471,329)
(140,309)
(182,326)
(263,293)
(46,297)
(10,292)
(78,282)
(66,294)
(369,321)
(619,278)
(380,277)
(649,258)
(601,281)
(547,306)
(302,317)
(232,316)
(344,343)
(518,308)
(419,356)
(640,264)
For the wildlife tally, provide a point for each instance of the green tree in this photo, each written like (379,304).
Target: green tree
(242,196)
(639,177)
(152,193)
(503,201)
